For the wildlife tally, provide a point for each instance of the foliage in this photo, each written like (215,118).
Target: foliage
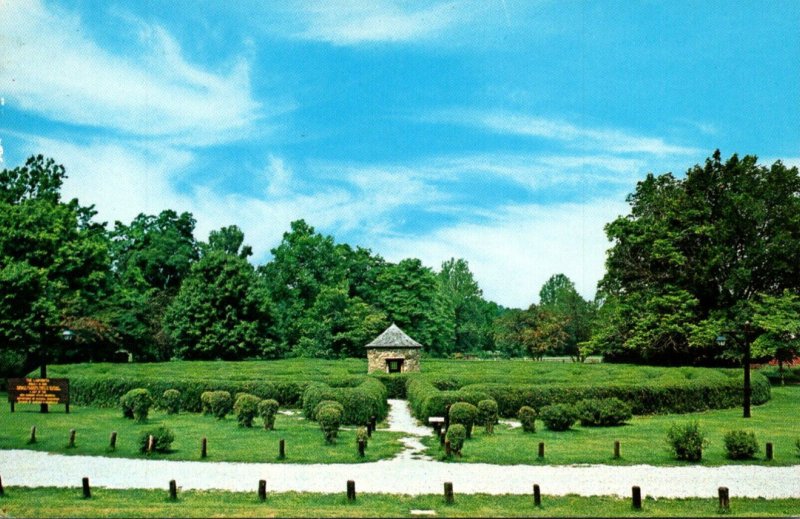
(472,315)
(527,417)
(603,412)
(536,331)
(740,445)
(426,400)
(136,404)
(267,409)
(558,417)
(779,318)
(359,403)
(220,403)
(559,297)
(162,439)
(246,408)
(362,435)
(456,433)
(687,441)
(465,414)
(328,403)
(329,418)
(487,414)
(205,399)
(171,401)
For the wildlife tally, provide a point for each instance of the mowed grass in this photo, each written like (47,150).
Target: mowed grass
(226,440)
(643,439)
(59,502)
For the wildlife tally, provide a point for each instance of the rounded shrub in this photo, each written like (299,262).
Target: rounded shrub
(171,401)
(603,412)
(361,434)
(136,404)
(162,439)
(267,409)
(456,433)
(328,403)
(487,414)
(465,414)
(329,418)
(527,417)
(558,417)
(740,445)
(245,408)
(686,441)
(221,404)
(205,402)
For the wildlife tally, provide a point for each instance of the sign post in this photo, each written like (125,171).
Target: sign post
(38,391)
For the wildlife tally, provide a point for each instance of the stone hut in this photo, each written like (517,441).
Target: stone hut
(393,352)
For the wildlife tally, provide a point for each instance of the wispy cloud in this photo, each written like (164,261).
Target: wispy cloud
(50,67)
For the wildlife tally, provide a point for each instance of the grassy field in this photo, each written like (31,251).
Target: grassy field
(643,439)
(226,440)
(57,502)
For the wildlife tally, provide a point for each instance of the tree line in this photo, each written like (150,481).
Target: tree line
(696,255)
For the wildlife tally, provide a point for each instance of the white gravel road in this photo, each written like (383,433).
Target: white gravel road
(408,473)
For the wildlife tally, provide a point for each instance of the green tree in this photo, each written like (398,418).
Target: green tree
(559,297)
(779,319)
(464,297)
(694,254)
(536,332)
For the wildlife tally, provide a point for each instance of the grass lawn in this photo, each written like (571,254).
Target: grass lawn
(58,502)
(643,440)
(226,440)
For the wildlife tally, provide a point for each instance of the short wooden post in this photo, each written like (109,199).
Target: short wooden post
(87,490)
(369,429)
(2,490)
(204,447)
(351,490)
(374,421)
(33,435)
(262,489)
(112,442)
(541,449)
(442,436)
(724,500)
(71,439)
(448,493)
(281,449)
(770,454)
(361,446)
(173,490)
(151,443)
(636,498)
(616,449)
(448,450)
(537,496)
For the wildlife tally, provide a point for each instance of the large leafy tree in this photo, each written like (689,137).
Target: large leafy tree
(535,332)
(559,297)
(694,255)
(53,268)
(471,317)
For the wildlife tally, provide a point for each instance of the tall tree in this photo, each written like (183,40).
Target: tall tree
(536,332)
(559,297)
(465,299)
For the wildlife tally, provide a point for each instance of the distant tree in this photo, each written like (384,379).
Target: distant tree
(778,317)
(464,297)
(535,332)
(559,297)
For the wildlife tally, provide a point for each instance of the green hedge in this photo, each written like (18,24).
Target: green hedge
(426,400)
(360,403)
(395,383)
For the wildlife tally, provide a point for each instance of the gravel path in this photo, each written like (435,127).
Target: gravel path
(406,474)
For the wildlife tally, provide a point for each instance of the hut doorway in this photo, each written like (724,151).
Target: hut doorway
(394,365)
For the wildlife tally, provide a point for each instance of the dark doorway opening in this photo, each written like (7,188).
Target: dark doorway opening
(394,365)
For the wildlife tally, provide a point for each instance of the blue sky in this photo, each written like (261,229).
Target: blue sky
(505,132)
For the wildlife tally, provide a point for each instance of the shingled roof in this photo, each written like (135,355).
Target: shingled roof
(394,337)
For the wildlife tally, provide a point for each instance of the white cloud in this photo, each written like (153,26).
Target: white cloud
(50,67)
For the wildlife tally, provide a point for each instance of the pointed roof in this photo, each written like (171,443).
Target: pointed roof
(394,337)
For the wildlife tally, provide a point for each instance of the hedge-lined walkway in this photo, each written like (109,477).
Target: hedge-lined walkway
(405,474)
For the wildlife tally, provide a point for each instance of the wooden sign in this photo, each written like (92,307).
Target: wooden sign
(38,391)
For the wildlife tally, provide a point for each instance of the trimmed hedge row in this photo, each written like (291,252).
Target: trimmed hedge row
(426,400)
(654,398)
(360,403)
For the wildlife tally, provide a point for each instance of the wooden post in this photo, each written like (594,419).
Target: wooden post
(724,500)
(361,446)
(448,493)
(770,454)
(262,489)
(448,451)
(33,435)
(204,447)
(374,421)
(87,491)
(351,490)
(442,435)
(369,429)
(636,498)
(151,443)
(616,449)
(537,496)
(541,449)
(12,406)
(112,442)
(71,439)
(173,490)
(281,449)
(2,491)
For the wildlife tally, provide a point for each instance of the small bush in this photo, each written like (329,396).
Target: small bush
(329,418)
(246,407)
(603,412)
(456,433)
(205,402)
(136,404)
(527,417)
(267,410)
(361,434)
(221,404)
(558,417)
(464,414)
(328,403)
(487,414)
(162,439)
(686,441)
(171,401)
(740,445)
